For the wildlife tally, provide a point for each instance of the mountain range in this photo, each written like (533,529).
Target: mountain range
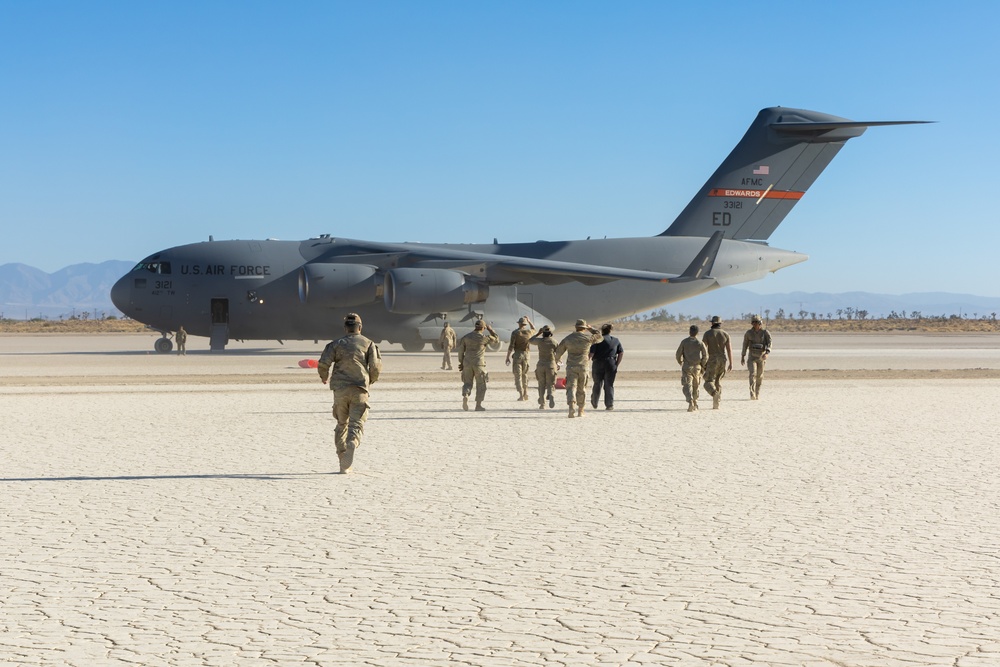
(27,292)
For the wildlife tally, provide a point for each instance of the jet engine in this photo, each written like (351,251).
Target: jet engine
(339,285)
(419,291)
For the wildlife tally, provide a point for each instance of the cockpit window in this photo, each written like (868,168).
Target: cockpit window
(162,268)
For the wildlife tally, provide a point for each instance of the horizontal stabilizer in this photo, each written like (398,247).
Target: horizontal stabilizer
(701,266)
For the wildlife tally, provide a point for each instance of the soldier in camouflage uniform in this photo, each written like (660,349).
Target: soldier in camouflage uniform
(447,342)
(577,346)
(756,341)
(720,359)
(472,362)
(181,337)
(545,370)
(352,364)
(518,347)
(692,355)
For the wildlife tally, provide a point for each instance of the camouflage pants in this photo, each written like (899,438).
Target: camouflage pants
(446,359)
(715,370)
(690,379)
(350,409)
(546,376)
(576,386)
(481,377)
(519,364)
(756,367)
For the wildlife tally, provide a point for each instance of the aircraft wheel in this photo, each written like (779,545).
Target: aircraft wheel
(493,347)
(413,345)
(163,345)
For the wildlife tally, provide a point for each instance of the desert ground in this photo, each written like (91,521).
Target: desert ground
(180,510)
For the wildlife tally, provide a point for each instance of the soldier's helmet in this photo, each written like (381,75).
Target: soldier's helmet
(480,324)
(756,318)
(716,319)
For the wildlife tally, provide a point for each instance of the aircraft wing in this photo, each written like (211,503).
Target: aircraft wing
(511,269)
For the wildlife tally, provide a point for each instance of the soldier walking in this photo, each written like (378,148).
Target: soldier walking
(447,342)
(352,363)
(576,346)
(472,362)
(720,359)
(756,341)
(692,355)
(545,370)
(605,357)
(518,348)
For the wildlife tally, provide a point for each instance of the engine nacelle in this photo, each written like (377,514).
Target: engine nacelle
(339,285)
(420,291)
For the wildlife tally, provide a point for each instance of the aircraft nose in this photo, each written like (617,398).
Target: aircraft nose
(121,294)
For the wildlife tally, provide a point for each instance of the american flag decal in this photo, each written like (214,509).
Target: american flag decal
(762,170)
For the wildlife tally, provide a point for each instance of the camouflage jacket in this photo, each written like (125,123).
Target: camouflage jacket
(546,349)
(356,362)
(447,339)
(577,346)
(692,352)
(472,347)
(758,342)
(519,340)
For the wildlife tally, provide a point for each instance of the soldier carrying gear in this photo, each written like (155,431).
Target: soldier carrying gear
(756,342)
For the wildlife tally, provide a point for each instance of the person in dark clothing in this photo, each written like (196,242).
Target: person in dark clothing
(605,356)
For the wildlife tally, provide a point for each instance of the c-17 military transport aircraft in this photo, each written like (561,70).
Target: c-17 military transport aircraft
(404,292)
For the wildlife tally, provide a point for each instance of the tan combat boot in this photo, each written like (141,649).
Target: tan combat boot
(572,411)
(479,407)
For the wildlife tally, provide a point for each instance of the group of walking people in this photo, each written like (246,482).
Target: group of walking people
(350,364)
(596,355)
(710,358)
(586,349)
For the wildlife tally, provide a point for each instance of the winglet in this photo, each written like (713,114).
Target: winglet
(701,266)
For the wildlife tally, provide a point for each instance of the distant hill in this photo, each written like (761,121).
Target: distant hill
(27,292)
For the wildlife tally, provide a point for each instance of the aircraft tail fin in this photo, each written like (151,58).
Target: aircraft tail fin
(779,157)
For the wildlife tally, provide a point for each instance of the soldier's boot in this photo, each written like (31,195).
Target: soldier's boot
(479,407)
(579,411)
(552,401)
(572,411)
(695,404)
(691,407)
(347,459)
(465,402)
(716,399)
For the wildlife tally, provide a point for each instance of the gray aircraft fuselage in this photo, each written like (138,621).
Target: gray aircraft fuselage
(278,290)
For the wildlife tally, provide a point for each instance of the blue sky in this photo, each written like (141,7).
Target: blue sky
(128,127)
